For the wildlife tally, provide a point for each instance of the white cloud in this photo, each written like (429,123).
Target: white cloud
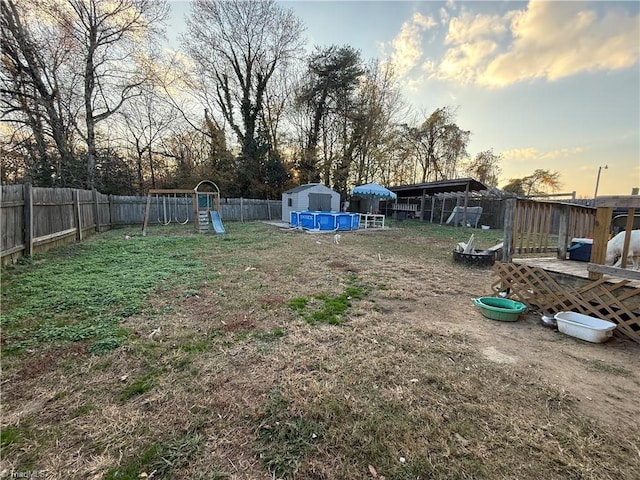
(444,16)
(424,21)
(407,46)
(528,153)
(468,28)
(562,153)
(531,153)
(462,62)
(555,39)
(549,40)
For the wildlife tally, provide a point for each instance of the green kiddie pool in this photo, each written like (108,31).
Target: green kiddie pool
(501,309)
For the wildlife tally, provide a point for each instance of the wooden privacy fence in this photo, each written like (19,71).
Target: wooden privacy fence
(34,219)
(544,228)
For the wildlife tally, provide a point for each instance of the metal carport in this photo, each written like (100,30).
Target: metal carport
(430,189)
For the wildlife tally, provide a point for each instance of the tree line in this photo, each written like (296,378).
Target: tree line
(90,99)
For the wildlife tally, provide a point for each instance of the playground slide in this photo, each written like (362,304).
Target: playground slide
(216,222)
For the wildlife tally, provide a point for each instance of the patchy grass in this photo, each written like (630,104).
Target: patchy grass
(8,437)
(91,287)
(212,357)
(139,386)
(285,438)
(161,460)
(322,308)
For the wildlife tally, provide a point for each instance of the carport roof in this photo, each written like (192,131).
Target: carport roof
(442,186)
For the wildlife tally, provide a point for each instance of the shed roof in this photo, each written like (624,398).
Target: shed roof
(301,188)
(442,186)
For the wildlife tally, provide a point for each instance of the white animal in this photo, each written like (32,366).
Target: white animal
(336,239)
(615,246)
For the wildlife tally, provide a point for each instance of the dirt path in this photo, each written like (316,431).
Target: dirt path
(604,379)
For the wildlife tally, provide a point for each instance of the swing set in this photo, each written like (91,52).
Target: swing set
(181,205)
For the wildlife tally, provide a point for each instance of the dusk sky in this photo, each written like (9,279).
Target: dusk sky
(552,85)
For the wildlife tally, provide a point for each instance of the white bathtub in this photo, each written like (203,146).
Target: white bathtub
(584,327)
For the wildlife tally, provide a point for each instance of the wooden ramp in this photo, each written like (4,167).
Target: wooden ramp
(616,301)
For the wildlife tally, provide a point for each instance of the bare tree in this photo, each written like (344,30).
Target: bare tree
(278,96)
(147,120)
(437,145)
(485,168)
(237,46)
(81,70)
(33,56)
(379,104)
(109,42)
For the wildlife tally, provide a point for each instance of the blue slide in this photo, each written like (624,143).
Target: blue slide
(216,222)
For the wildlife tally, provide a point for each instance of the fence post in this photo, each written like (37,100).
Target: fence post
(96,211)
(509,214)
(563,231)
(269,207)
(600,239)
(241,212)
(110,211)
(76,214)
(27,194)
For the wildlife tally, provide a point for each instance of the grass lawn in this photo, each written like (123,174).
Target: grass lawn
(267,354)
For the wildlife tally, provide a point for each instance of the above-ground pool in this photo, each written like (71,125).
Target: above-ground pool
(326,221)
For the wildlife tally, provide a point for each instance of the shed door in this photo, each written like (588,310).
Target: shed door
(320,201)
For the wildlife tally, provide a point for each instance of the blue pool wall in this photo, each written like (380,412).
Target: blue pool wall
(325,221)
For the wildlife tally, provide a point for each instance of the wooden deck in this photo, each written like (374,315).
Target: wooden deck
(549,285)
(567,268)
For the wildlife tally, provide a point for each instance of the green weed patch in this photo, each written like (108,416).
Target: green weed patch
(163,459)
(139,386)
(84,291)
(8,436)
(284,437)
(330,310)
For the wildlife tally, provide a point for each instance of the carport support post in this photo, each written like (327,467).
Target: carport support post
(466,202)
(433,205)
(424,192)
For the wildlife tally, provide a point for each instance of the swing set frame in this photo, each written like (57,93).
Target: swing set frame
(194,193)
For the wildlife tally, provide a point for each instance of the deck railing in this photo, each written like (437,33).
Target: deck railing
(544,228)
(605,207)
